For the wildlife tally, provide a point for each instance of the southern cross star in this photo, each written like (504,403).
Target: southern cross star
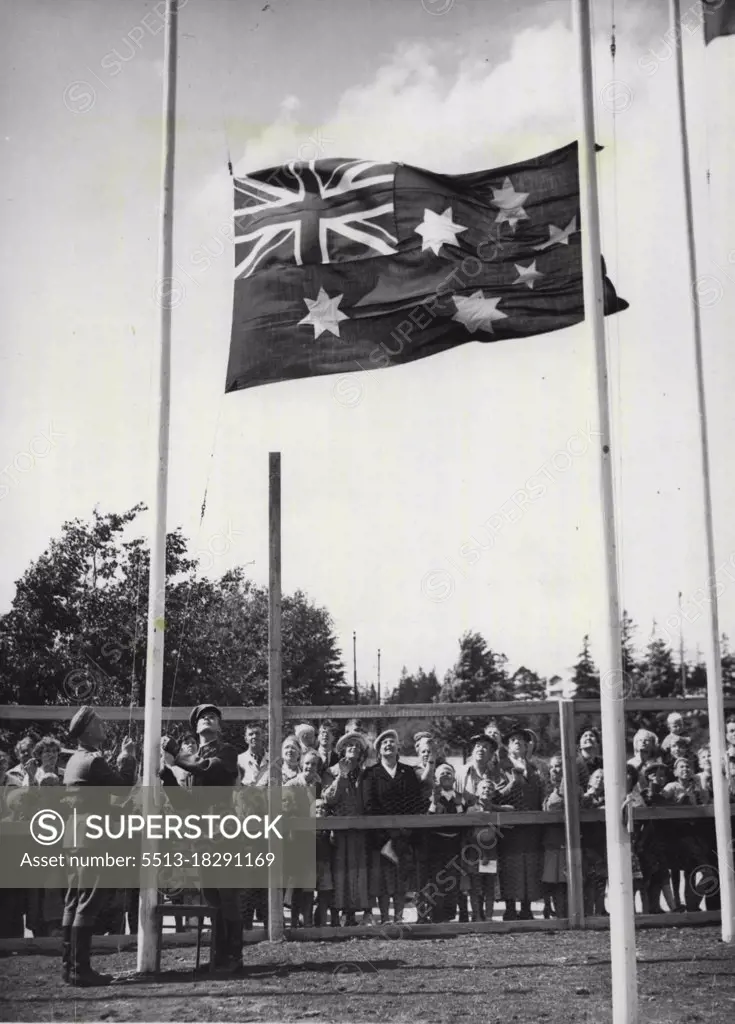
(324,313)
(558,236)
(510,204)
(527,275)
(435,229)
(477,312)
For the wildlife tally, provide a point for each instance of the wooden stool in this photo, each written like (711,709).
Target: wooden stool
(179,911)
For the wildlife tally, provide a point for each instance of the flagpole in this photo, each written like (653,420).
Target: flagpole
(275,695)
(612,683)
(147,939)
(715,705)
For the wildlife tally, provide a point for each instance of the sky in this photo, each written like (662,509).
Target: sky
(389,476)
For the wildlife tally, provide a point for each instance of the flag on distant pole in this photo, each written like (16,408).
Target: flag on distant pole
(719,19)
(344,265)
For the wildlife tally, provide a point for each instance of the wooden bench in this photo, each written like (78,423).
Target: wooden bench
(179,911)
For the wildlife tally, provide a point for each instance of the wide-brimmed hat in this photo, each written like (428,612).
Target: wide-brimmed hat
(384,736)
(199,711)
(516,729)
(351,737)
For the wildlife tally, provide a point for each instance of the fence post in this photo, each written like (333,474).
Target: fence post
(575,901)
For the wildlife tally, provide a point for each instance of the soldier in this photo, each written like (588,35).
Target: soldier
(214,764)
(84,897)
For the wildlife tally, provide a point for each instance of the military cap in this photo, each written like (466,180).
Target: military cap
(199,711)
(80,721)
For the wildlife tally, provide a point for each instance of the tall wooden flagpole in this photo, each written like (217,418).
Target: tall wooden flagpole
(715,705)
(612,682)
(275,695)
(157,585)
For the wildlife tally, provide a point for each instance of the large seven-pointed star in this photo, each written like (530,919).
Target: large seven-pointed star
(436,228)
(510,204)
(324,313)
(477,312)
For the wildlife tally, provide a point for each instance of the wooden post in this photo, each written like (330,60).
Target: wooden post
(148,937)
(575,901)
(612,681)
(275,695)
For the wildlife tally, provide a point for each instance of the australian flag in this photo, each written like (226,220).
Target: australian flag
(344,265)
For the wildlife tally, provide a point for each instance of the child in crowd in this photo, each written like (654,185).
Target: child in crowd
(554,839)
(439,902)
(594,853)
(675,725)
(653,848)
(480,854)
(324,877)
(704,775)
(680,746)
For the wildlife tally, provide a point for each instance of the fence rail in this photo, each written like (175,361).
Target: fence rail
(491,709)
(566,710)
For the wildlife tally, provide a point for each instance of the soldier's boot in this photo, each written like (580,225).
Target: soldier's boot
(81,973)
(66,952)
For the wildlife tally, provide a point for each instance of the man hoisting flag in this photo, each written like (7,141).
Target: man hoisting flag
(345,265)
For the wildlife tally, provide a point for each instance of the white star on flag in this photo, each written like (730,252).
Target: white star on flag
(477,312)
(527,275)
(324,313)
(435,229)
(510,204)
(558,236)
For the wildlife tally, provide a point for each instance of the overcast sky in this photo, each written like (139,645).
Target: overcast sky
(389,475)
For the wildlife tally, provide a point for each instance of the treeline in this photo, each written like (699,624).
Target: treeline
(482,674)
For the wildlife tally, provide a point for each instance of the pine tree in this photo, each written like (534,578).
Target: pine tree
(585,676)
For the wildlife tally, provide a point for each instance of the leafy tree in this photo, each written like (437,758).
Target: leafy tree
(76,630)
(585,676)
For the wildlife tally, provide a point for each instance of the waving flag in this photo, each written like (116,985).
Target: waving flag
(719,19)
(345,265)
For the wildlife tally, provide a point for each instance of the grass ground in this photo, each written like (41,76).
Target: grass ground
(685,976)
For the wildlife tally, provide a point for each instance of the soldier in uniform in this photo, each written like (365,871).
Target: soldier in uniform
(84,898)
(214,764)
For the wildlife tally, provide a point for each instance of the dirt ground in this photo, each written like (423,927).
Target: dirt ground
(685,976)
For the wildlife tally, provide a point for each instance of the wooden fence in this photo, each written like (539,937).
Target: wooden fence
(572,817)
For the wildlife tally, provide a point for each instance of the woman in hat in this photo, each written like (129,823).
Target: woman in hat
(343,798)
(520,856)
(390,787)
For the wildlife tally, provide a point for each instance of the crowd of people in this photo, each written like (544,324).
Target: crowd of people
(451,871)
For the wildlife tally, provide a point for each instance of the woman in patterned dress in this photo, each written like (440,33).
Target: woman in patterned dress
(520,857)
(343,798)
